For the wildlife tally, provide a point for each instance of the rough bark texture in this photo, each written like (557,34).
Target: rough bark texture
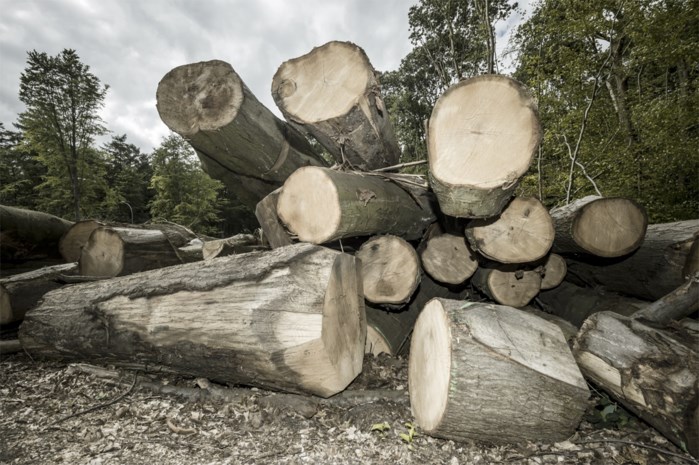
(240,243)
(332,93)
(321,205)
(27,234)
(605,227)
(657,267)
(448,259)
(272,229)
(492,373)
(290,319)
(238,140)
(507,285)
(477,156)
(678,304)
(555,270)
(650,371)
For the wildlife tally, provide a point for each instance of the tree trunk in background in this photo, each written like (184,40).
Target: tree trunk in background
(477,157)
(27,234)
(236,320)
(272,229)
(238,140)
(507,285)
(448,259)
(491,373)
(332,93)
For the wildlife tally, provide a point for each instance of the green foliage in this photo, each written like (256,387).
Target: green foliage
(607,413)
(409,435)
(19,170)
(381,427)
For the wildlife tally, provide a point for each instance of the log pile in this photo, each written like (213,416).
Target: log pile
(439,268)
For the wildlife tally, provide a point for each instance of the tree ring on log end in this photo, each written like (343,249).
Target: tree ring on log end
(610,227)
(390,269)
(103,255)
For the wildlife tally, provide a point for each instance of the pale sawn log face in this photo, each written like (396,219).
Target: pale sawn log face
(508,285)
(448,259)
(555,269)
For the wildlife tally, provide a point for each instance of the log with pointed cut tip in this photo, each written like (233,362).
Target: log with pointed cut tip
(289,319)
(333,94)
(239,141)
(492,373)
(602,226)
(321,205)
(507,285)
(482,136)
(555,270)
(448,259)
(522,233)
(390,270)
(28,234)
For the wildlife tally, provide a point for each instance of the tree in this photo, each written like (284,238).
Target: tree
(61,121)
(184,194)
(19,170)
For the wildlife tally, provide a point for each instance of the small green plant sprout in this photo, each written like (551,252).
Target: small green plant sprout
(381,427)
(409,436)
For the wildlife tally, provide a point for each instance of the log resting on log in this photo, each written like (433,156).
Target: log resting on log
(273,231)
(332,93)
(661,264)
(240,243)
(492,373)
(555,270)
(652,372)
(507,284)
(321,205)
(601,226)
(28,234)
(448,259)
(477,156)
(289,319)
(238,140)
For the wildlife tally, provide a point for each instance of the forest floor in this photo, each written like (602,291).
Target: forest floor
(57,413)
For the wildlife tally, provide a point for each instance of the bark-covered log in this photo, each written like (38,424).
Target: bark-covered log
(321,205)
(21,292)
(28,234)
(678,304)
(238,140)
(660,265)
(333,94)
(273,231)
(652,372)
(448,259)
(493,373)
(240,243)
(602,226)
(10,346)
(522,233)
(555,270)
(290,319)
(482,136)
(507,284)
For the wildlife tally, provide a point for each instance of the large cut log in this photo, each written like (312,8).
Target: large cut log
(273,231)
(447,258)
(321,205)
(492,373)
(522,233)
(333,94)
(238,140)
(390,270)
(601,226)
(659,265)
(21,292)
(120,251)
(290,319)
(28,234)
(555,270)
(652,372)
(482,136)
(507,284)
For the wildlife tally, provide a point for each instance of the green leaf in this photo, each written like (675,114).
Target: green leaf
(380,427)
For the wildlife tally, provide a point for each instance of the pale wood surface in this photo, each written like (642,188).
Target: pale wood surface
(448,259)
(507,285)
(555,269)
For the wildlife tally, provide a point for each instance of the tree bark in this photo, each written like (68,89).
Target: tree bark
(507,285)
(522,233)
(238,140)
(678,304)
(333,94)
(321,205)
(652,372)
(240,243)
(606,227)
(448,259)
(555,270)
(492,373)
(272,229)
(477,157)
(661,264)
(27,234)
(290,319)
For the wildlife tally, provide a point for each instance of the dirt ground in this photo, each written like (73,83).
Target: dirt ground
(58,413)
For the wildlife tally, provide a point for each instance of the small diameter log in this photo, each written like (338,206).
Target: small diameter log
(660,265)
(507,285)
(27,234)
(289,319)
(555,270)
(652,372)
(522,233)
(240,243)
(120,251)
(678,304)
(601,226)
(482,136)
(21,292)
(333,94)
(321,205)
(273,231)
(390,270)
(10,346)
(492,373)
(448,259)
(238,140)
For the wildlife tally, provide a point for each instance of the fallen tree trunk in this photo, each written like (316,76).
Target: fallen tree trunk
(477,157)
(522,233)
(507,285)
(240,243)
(236,319)
(492,373)
(448,259)
(555,270)
(333,94)
(273,231)
(658,266)
(27,234)
(678,304)
(605,227)
(321,205)
(238,140)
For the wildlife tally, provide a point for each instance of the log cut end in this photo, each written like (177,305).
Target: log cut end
(71,244)
(200,96)
(448,259)
(506,286)
(610,227)
(555,269)
(103,254)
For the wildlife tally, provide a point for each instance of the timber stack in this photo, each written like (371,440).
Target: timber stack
(358,258)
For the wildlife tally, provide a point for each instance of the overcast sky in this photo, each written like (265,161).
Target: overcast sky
(131,44)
